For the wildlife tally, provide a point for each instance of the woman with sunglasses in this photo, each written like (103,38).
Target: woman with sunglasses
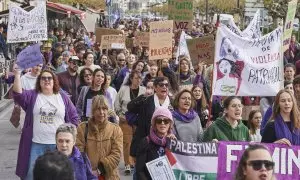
(87,93)
(46,109)
(187,124)
(229,127)
(284,125)
(256,163)
(65,143)
(101,140)
(153,146)
(86,78)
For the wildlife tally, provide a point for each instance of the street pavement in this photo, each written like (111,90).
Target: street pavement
(9,142)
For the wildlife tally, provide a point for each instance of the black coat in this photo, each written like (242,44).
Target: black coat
(146,152)
(144,107)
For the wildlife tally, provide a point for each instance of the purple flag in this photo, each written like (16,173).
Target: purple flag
(287,159)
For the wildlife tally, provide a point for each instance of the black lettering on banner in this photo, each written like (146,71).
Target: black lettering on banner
(264,76)
(181,25)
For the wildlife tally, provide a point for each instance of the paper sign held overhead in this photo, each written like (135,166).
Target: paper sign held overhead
(160,43)
(202,49)
(181,11)
(26,26)
(29,57)
(113,42)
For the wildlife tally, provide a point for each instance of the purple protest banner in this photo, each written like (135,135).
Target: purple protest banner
(29,57)
(287,159)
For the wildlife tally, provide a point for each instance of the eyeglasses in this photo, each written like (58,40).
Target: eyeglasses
(46,78)
(258,164)
(121,59)
(161,120)
(163,84)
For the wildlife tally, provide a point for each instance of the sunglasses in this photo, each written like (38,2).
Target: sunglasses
(258,164)
(160,121)
(45,78)
(121,59)
(163,84)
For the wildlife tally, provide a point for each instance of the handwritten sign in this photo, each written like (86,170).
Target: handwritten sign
(29,57)
(289,23)
(105,31)
(243,63)
(160,42)
(181,11)
(26,26)
(112,42)
(201,49)
(160,168)
(142,39)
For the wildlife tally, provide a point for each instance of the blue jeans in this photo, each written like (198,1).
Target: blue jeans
(36,151)
(134,174)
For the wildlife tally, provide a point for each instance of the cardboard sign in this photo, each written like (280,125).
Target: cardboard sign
(129,43)
(142,39)
(26,26)
(105,31)
(29,57)
(160,43)
(201,49)
(181,11)
(112,42)
(289,21)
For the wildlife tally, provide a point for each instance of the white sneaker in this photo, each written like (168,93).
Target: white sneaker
(127,170)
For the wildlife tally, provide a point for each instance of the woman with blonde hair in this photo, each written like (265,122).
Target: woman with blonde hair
(284,125)
(101,140)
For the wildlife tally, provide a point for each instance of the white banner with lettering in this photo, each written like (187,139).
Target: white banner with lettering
(252,30)
(26,26)
(247,67)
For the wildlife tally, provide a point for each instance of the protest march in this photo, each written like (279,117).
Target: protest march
(164,97)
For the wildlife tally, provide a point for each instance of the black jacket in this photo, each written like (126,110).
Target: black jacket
(146,152)
(144,107)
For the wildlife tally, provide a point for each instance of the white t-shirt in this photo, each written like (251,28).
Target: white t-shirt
(48,115)
(28,81)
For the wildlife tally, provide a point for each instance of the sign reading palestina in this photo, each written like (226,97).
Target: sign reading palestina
(247,67)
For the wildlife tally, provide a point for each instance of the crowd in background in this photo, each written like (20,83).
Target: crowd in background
(96,105)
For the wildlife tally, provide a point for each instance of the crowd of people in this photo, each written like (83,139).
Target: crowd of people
(95,106)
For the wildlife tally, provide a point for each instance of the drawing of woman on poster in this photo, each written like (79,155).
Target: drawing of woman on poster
(229,69)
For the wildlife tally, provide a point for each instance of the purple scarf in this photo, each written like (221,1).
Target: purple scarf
(157,140)
(283,131)
(188,117)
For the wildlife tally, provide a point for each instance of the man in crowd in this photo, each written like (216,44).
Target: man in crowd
(69,80)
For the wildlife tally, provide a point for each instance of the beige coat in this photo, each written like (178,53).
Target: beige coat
(104,145)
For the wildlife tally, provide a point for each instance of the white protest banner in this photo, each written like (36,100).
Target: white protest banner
(29,57)
(289,23)
(160,168)
(247,67)
(26,26)
(194,160)
(252,30)
(182,48)
(160,43)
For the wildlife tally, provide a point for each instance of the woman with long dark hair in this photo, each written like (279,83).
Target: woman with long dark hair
(87,93)
(254,122)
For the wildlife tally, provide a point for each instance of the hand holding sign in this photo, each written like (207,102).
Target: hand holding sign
(29,57)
